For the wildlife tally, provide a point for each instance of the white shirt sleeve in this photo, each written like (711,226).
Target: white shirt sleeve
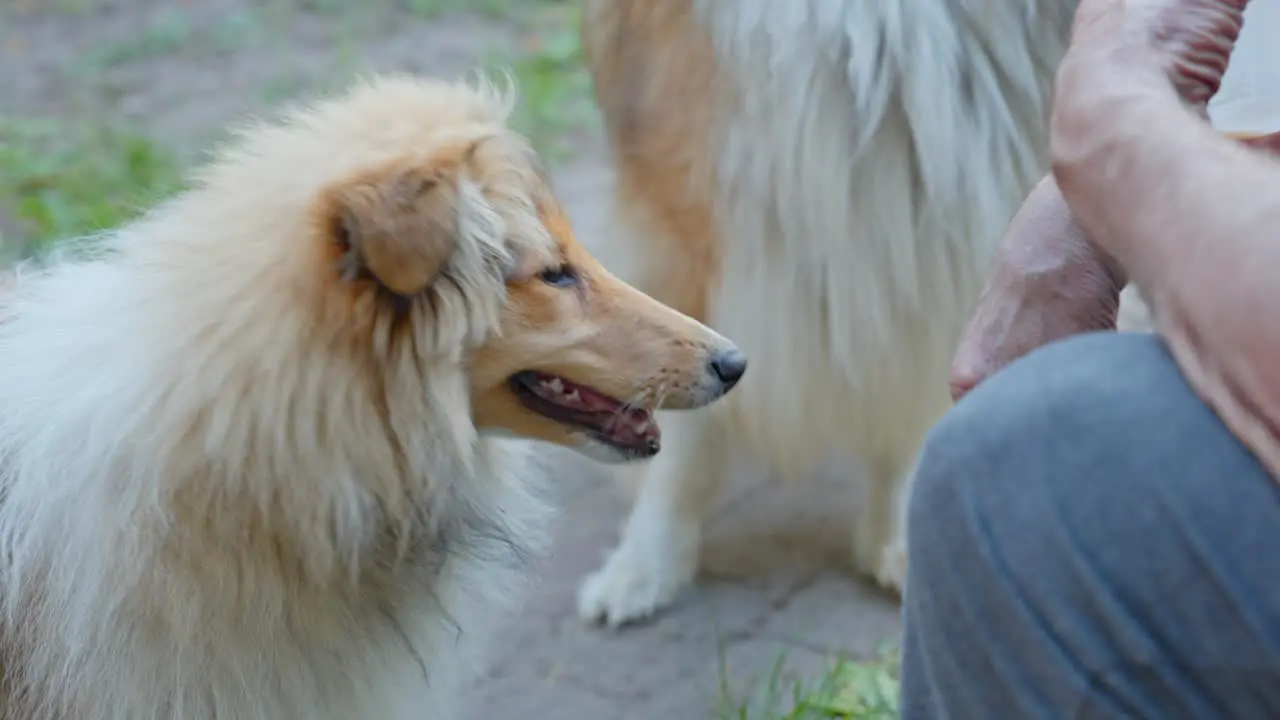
(1249,99)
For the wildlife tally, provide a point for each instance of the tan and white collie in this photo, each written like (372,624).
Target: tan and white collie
(824,182)
(252,454)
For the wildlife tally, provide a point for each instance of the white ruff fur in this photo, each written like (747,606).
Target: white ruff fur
(868,164)
(206,514)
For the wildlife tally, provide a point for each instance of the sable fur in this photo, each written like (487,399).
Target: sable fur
(825,182)
(252,463)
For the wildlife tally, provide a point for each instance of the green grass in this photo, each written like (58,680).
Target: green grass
(849,691)
(555,88)
(59,180)
(853,691)
(173,30)
(424,9)
(555,100)
(239,29)
(493,9)
(167,33)
(66,178)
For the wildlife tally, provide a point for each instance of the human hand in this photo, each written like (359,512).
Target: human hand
(1188,42)
(1125,48)
(1048,282)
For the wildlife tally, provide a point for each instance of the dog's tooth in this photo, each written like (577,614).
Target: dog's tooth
(556,385)
(573,397)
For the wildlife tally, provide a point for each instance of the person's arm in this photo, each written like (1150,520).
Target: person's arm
(1156,186)
(1194,219)
(1047,282)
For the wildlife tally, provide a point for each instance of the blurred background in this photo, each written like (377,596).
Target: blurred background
(103,102)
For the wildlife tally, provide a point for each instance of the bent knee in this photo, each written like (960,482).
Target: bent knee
(1090,397)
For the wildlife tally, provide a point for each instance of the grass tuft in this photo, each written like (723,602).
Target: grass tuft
(556,104)
(866,690)
(59,180)
(854,691)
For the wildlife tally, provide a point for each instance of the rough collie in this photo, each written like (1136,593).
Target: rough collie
(254,447)
(824,182)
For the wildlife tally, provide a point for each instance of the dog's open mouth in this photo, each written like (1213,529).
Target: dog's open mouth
(607,419)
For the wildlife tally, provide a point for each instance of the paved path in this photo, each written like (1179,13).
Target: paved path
(775,583)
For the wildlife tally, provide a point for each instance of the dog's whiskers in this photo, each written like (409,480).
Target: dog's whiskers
(626,407)
(661,397)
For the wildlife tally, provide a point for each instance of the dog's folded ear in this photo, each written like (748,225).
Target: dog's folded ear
(397,225)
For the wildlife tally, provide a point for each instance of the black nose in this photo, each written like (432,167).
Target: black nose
(729,366)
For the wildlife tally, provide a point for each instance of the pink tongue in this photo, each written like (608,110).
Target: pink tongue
(592,401)
(623,425)
(633,426)
(595,402)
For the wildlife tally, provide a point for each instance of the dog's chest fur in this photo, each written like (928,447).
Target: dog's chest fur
(239,633)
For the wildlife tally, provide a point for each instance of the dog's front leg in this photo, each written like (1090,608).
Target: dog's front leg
(657,556)
(879,541)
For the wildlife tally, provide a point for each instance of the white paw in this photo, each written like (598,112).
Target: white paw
(891,570)
(636,582)
(886,563)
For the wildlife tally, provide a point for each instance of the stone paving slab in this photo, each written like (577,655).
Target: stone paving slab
(775,583)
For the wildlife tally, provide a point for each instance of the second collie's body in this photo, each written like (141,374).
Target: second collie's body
(824,182)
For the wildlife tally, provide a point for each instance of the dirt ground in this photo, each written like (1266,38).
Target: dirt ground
(184,68)
(179,71)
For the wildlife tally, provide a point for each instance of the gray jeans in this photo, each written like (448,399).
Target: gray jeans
(1088,541)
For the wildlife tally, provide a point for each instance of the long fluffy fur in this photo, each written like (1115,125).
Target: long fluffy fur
(861,162)
(213,507)
(875,154)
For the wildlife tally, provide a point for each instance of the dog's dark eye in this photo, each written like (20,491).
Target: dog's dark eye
(562,276)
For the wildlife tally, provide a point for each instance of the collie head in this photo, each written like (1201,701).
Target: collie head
(291,372)
(369,285)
